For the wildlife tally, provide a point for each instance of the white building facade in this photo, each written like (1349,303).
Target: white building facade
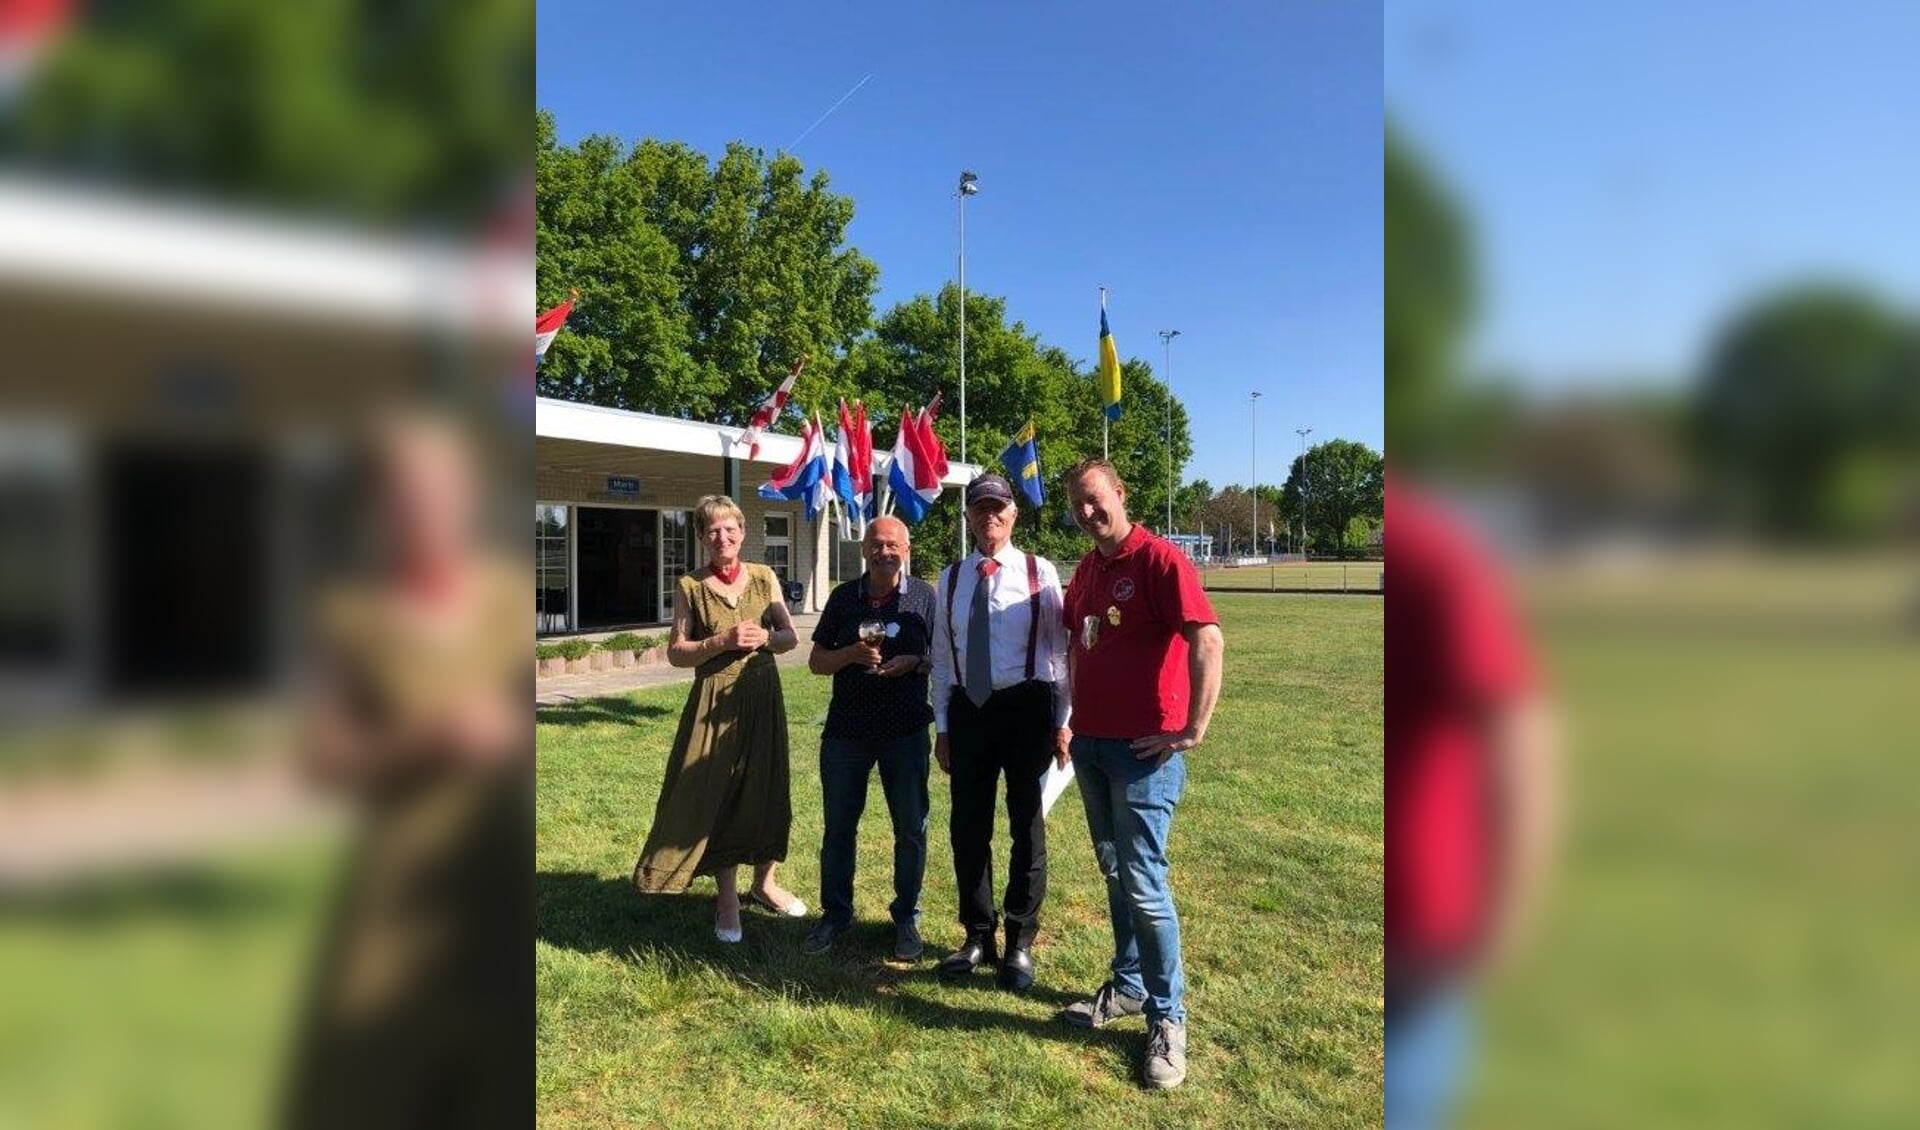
(614,498)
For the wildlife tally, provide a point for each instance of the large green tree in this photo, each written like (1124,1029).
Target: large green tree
(1012,377)
(701,282)
(1227,518)
(1808,415)
(1341,481)
(410,112)
(1189,502)
(1429,302)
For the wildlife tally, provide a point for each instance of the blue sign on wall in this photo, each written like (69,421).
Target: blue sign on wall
(620,484)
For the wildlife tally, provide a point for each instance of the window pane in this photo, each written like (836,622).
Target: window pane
(550,569)
(776,547)
(676,554)
(778,560)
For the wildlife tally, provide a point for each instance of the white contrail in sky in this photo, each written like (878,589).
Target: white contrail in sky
(828,114)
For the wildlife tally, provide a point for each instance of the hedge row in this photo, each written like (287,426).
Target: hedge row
(579,649)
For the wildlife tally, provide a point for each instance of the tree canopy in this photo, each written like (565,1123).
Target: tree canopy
(388,112)
(1808,415)
(1344,494)
(1340,483)
(1430,300)
(1013,377)
(701,283)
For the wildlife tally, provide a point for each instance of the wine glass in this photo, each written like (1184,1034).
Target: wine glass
(873,632)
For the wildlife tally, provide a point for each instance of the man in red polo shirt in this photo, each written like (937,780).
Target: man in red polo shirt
(1470,795)
(1145,659)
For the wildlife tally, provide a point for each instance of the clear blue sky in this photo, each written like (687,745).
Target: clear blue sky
(1217,167)
(1637,170)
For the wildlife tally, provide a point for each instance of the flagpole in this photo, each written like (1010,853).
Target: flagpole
(1166,346)
(968,186)
(883,487)
(1098,362)
(1253,467)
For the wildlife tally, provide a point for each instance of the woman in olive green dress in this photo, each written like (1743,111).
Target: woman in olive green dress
(725,800)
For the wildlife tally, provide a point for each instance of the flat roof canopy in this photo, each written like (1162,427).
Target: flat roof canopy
(587,423)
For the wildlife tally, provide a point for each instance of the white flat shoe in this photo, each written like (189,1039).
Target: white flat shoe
(731,937)
(794,909)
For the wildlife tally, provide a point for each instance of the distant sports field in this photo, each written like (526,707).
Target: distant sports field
(645,1020)
(1313,576)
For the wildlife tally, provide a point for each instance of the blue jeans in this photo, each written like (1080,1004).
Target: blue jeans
(1130,805)
(845,766)
(1426,1050)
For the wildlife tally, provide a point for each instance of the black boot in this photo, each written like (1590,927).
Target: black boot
(1016,966)
(975,952)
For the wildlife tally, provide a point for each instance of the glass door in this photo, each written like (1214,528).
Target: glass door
(676,555)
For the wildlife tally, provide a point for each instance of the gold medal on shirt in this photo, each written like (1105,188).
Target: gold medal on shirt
(1113,615)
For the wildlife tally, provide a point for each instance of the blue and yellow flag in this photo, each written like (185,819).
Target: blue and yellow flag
(1022,461)
(1108,379)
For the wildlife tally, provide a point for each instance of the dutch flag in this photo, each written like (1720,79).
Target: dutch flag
(547,326)
(853,467)
(806,478)
(768,412)
(28,29)
(913,472)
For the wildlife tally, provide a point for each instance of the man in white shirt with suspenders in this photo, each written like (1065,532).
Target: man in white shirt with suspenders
(1001,705)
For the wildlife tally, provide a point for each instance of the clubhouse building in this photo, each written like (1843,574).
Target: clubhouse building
(613,529)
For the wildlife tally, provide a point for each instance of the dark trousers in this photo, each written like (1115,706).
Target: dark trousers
(846,765)
(1011,734)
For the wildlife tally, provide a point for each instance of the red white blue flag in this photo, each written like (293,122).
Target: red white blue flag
(912,472)
(935,449)
(853,466)
(27,29)
(806,477)
(769,411)
(547,326)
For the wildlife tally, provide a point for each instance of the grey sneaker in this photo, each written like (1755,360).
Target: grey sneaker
(907,945)
(1107,1006)
(820,938)
(1166,1064)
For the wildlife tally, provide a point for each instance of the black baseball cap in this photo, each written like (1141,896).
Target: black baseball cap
(989,487)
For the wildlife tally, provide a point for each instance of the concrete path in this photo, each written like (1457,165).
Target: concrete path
(559,690)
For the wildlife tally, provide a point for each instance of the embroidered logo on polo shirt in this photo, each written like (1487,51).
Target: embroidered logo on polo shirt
(1123,589)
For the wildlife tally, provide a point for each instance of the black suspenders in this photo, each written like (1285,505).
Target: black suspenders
(1033,607)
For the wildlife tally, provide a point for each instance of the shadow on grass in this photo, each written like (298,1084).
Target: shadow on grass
(587,712)
(590,914)
(199,894)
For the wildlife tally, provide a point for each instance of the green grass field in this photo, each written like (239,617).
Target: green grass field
(164,998)
(1727,940)
(1318,576)
(645,1020)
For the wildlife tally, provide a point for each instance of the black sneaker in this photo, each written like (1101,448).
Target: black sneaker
(907,945)
(1107,1006)
(820,938)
